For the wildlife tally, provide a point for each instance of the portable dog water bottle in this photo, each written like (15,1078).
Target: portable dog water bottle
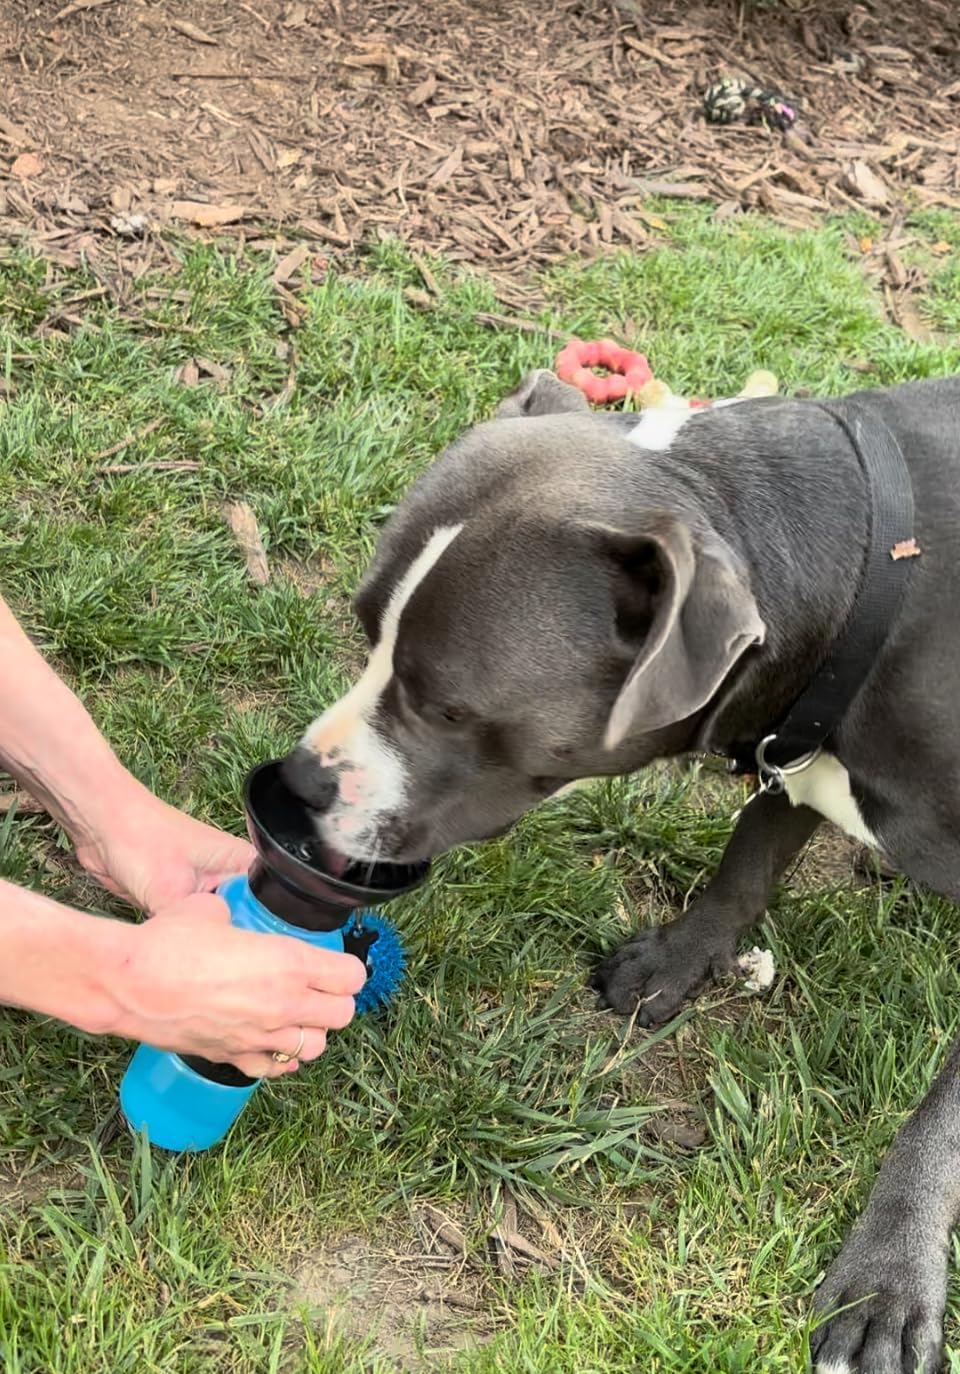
(187,1103)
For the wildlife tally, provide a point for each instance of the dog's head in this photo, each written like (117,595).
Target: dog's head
(531,623)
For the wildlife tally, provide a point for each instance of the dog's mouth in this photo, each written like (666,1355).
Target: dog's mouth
(334,861)
(281,823)
(325,858)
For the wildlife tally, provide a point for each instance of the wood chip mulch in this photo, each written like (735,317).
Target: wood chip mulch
(504,136)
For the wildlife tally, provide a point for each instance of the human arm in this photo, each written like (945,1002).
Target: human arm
(186,981)
(134,844)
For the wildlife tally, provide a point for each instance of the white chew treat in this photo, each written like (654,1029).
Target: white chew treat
(757,968)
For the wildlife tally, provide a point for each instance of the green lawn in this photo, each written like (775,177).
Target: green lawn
(493,1082)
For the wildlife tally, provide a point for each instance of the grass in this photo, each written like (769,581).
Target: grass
(493,1075)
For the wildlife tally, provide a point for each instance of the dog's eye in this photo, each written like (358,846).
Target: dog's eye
(415,692)
(453,715)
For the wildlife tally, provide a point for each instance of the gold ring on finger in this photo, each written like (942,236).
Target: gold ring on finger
(280,1058)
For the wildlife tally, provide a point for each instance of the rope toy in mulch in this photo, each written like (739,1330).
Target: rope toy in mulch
(728,100)
(629,374)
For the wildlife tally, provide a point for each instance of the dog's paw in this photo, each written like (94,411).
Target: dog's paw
(659,970)
(882,1311)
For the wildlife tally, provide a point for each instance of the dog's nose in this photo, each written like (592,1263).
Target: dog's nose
(309,779)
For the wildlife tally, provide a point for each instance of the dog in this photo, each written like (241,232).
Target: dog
(567,594)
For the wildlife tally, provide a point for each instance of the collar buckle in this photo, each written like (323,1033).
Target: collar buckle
(772,777)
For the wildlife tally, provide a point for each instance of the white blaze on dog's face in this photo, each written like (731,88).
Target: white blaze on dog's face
(371,776)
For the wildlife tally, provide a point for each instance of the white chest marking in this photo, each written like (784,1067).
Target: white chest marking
(658,427)
(825,787)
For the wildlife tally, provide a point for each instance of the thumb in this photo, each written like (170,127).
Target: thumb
(207,907)
(232,857)
(237,856)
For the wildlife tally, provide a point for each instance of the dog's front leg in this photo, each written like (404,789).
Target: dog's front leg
(660,969)
(891,1275)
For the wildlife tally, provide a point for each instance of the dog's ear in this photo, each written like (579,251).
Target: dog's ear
(685,606)
(541,393)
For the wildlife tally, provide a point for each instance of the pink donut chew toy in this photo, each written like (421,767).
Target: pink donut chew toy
(626,372)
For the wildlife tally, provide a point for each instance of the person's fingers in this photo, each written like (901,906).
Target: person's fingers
(312,1009)
(257,1027)
(287,1041)
(238,851)
(199,906)
(330,972)
(234,857)
(314,1044)
(263,1065)
(322,1005)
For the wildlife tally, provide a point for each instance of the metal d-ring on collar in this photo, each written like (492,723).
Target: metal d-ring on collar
(773,779)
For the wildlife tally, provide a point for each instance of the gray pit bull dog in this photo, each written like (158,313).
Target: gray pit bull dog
(566,595)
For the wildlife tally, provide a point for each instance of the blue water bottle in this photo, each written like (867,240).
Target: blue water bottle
(185,1102)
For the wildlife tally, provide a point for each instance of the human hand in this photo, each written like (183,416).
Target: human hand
(193,983)
(154,855)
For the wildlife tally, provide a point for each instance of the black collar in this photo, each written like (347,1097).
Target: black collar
(798,737)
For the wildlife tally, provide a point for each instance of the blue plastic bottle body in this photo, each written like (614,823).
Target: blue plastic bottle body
(179,1108)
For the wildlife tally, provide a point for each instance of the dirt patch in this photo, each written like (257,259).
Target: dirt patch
(503,135)
(21,1189)
(414,1305)
(831,858)
(425,1292)
(310,577)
